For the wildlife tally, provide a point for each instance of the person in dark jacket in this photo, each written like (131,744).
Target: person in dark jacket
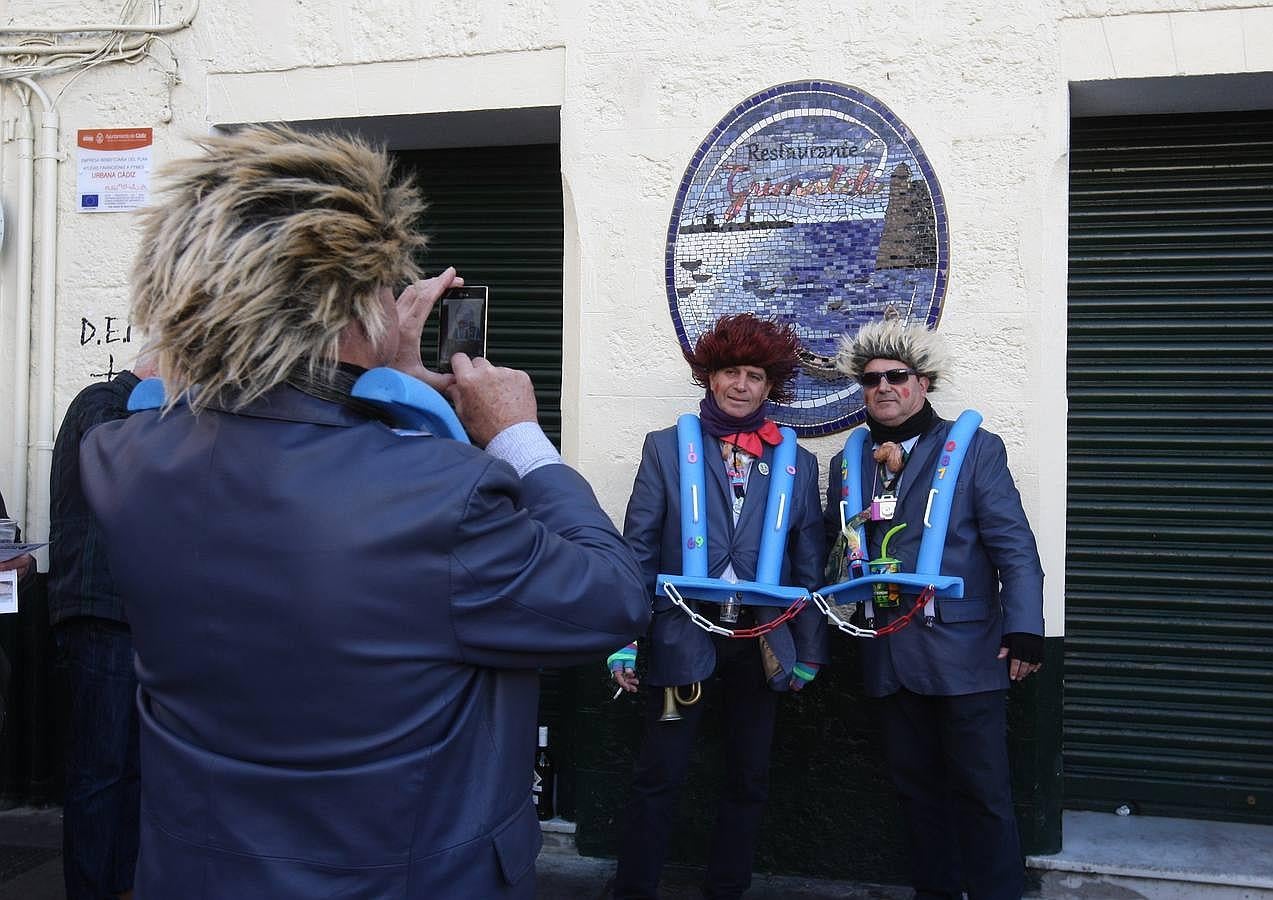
(943,686)
(338,623)
(94,653)
(24,565)
(741,362)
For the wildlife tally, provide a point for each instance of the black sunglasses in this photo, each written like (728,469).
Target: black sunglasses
(894,376)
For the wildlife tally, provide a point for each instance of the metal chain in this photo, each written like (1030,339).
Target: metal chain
(707,625)
(853,631)
(843,624)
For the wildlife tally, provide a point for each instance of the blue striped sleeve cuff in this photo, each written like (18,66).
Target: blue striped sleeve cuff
(806,672)
(623,658)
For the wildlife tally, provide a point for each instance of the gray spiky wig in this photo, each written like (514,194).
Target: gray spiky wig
(256,255)
(913,344)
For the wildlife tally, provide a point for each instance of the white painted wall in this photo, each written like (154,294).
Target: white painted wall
(983,86)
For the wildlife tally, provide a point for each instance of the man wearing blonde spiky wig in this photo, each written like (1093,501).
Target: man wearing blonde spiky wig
(337,623)
(943,685)
(742,363)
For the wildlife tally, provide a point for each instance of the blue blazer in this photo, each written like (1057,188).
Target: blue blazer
(678,651)
(338,630)
(989,544)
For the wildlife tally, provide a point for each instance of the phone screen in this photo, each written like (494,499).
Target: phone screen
(461,324)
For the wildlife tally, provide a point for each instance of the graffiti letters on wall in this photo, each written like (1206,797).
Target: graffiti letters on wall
(809,203)
(111,340)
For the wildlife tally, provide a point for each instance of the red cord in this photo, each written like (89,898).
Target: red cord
(898,624)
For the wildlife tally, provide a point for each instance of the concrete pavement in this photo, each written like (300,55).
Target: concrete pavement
(31,869)
(1105,859)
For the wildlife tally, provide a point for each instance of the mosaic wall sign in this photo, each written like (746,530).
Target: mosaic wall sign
(809,203)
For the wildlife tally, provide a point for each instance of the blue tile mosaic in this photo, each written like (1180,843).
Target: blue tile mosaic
(824,219)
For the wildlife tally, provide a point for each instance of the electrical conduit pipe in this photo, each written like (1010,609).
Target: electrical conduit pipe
(46,162)
(24,241)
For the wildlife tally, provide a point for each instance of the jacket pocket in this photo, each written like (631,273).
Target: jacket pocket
(951,610)
(517,844)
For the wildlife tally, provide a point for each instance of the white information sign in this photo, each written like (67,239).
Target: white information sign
(113,174)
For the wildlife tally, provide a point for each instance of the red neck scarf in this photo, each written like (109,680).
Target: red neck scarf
(753,442)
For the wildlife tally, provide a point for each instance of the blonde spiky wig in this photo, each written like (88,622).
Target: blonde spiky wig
(257,254)
(889,338)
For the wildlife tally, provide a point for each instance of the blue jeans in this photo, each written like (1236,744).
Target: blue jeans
(103,783)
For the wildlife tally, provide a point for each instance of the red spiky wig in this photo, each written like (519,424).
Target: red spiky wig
(744,340)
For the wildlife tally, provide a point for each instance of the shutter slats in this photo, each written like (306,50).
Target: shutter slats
(495,213)
(1169,561)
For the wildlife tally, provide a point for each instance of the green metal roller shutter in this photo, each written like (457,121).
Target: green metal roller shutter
(495,213)
(1169,565)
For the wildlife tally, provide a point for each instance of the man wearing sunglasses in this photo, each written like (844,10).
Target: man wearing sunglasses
(944,685)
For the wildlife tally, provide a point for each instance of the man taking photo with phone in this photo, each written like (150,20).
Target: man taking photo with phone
(338,625)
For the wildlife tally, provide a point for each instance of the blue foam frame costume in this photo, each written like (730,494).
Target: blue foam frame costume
(693,582)
(927,572)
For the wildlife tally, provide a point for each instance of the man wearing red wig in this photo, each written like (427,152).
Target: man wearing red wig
(742,362)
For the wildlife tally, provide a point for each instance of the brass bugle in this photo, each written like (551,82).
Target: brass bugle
(672,696)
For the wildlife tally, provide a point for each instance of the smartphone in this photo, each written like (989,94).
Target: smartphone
(462,324)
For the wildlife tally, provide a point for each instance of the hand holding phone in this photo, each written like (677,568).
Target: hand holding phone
(462,324)
(413,306)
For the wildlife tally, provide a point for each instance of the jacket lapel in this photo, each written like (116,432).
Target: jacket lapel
(918,474)
(857,504)
(716,465)
(757,489)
